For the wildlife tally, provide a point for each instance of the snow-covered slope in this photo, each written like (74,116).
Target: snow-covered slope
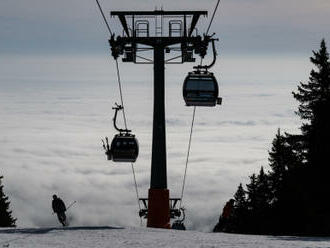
(106,236)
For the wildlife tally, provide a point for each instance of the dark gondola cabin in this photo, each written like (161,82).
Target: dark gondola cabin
(124,148)
(201,89)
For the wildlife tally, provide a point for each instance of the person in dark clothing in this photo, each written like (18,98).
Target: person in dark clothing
(59,208)
(227,210)
(226,214)
(224,221)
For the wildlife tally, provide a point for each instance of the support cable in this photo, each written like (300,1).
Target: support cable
(215,10)
(208,29)
(188,153)
(122,104)
(193,119)
(121,93)
(105,20)
(125,123)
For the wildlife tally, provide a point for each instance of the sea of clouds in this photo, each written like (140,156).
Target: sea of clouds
(55,110)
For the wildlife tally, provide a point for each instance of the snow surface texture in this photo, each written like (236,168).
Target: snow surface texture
(106,236)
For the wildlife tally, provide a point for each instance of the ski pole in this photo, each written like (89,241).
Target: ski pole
(71,205)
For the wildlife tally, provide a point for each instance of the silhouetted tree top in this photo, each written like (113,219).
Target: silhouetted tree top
(276,159)
(240,197)
(6,220)
(317,90)
(314,99)
(263,192)
(252,191)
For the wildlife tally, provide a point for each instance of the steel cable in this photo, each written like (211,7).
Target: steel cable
(125,123)
(105,20)
(187,158)
(215,10)
(122,104)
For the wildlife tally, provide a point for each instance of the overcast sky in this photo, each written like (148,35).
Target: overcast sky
(244,26)
(58,84)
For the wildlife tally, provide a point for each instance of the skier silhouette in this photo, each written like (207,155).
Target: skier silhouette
(59,208)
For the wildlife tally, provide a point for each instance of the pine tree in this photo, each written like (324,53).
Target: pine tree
(262,191)
(279,164)
(252,202)
(314,99)
(262,202)
(314,106)
(240,198)
(252,192)
(6,220)
(240,213)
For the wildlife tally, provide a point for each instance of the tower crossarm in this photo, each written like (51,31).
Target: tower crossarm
(135,15)
(153,41)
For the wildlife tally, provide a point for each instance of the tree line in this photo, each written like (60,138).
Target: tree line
(292,197)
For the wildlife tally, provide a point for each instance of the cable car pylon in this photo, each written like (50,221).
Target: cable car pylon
(136,39)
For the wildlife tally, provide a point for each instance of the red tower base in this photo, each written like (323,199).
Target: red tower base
(159,208)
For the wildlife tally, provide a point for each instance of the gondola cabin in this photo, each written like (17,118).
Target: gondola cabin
(201,89)
(124,148)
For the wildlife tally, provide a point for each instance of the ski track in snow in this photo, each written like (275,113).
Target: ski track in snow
(112,237)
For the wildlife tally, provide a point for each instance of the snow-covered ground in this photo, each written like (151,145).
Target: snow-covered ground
(106,236)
